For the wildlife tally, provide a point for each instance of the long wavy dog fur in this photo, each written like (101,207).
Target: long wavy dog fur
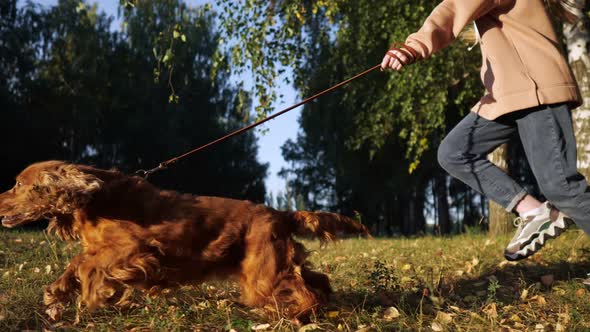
(136,236)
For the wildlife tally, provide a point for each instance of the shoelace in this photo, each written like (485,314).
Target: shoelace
(518,222)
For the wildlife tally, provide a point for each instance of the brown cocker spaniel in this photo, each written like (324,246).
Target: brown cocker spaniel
(136,236)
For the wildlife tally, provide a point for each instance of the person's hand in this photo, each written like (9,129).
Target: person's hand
(396,59)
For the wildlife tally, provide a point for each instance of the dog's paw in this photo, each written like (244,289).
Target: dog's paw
(55,311)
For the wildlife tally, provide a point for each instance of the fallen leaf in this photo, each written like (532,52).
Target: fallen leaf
(406,267)
(436,326)
(559,327)
(309,327)
(580,292)
(455,308)
(541,300)
(539,328)
(491,311)
(504,263)
(443,317)
(515,318)
(391,313)
(524,294)
(363,328)
(54,312)
(333,314)
(261,327)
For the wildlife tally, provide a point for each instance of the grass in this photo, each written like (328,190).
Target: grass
(459,283)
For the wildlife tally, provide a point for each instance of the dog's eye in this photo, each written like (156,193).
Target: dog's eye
(19,184)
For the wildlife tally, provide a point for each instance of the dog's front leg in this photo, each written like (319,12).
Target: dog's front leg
(62,290)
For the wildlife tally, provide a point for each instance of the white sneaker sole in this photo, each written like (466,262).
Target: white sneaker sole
(539,239)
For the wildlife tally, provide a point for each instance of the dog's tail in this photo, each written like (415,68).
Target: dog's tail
(326,226)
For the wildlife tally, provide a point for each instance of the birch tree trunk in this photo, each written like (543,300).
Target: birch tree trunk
(578,45)
(500,220)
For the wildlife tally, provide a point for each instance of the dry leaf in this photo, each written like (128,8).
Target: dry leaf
(519,325)
(309,328)
(437,327)
(539,328)
(391,313)
(443,317)
(333,314)
(524,294)
(363,328)
(581,292)
(54,312)
(541,300)
(261,327)
(455,308)
(491,311)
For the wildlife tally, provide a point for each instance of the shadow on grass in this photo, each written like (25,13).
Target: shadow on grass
(502,284)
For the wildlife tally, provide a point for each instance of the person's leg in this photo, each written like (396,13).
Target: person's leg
(549,143)
(463,154)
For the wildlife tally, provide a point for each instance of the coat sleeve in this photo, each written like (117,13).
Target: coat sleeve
(445,23)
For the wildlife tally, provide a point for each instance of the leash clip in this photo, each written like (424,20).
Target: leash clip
(146,174)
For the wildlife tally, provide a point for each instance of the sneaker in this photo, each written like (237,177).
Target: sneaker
(533,231)
(586,282)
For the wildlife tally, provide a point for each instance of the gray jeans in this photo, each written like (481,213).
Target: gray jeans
(548,139)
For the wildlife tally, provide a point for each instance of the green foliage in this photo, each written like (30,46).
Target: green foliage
(340,38)
(72,89)
(381,277)
(357,144)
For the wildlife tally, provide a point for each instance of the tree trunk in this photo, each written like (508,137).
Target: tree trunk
(578,44)
(442,202)
(500,220)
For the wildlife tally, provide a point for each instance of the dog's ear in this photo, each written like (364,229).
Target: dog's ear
(66,188)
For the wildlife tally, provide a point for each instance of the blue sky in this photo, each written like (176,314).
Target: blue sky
(278,130)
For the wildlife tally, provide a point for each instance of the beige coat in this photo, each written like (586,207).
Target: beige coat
(522,63)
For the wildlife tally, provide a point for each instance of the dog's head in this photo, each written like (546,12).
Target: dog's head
(45,190)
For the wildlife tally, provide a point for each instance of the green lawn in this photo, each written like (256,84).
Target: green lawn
(442,284)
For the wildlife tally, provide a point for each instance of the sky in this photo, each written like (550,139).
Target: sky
(277,131)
